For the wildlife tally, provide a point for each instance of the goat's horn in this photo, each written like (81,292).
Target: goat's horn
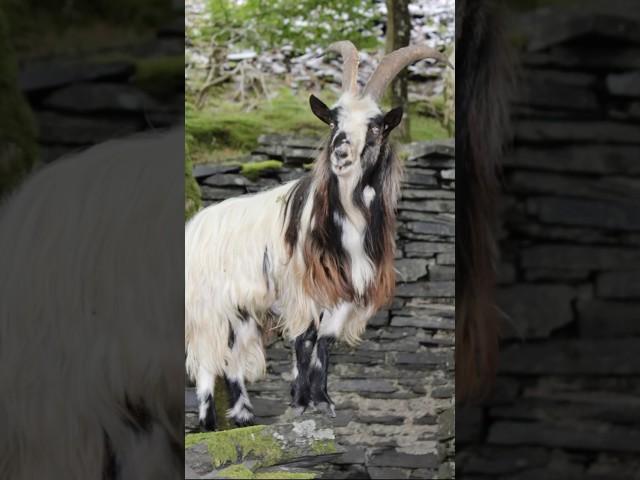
(393,63)
(349,65)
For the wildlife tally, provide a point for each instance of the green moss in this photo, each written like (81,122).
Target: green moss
(231,445)
(18,149)
(160,75)
(242,472)
(236,471)
(254,170)
(426,128)
(192,201)
(322,447)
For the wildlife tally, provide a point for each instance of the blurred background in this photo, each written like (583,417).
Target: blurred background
(566,400)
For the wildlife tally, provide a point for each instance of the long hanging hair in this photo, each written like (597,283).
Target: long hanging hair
(485,80)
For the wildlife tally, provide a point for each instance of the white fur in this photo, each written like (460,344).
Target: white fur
(88,313)
(369,194)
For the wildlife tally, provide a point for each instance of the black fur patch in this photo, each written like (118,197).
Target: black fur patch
(374,176)
(232,337)
(243,314)
(110,469)
(300,389)
(294,205)
(266,268)
(318,375)
(138,416)
(209,423)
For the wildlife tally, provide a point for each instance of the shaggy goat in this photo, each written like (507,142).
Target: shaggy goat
(316,253)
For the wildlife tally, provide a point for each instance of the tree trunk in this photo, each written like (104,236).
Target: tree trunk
(398,36)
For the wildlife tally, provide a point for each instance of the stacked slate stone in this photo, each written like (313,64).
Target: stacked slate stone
(82,100)
(566,401)
(394,392)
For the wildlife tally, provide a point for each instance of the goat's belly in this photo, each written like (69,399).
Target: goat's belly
(232,250)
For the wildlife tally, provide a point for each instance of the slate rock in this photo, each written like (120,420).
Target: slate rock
(100,97)
(624,84)
(381,420)
(410,270)
(378,473)
(426,289)
(394,458)
(75,130)
(225,180)
(368,385)
(601,318)
(535,310)
(50,74)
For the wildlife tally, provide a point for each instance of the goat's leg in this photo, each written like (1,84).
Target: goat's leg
(330,328)
(246,347)
(303,349)
(205,383)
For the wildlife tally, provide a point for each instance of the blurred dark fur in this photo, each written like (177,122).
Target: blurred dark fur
(484,77)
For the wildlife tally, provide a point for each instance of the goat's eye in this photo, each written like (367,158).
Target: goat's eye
(332,125)
(375,130)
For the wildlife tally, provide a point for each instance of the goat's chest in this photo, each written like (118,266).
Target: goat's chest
(353,236)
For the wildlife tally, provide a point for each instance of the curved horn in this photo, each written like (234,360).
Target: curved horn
(349,65)
(393,63)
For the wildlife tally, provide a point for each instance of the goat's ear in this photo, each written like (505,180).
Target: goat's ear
(392,119)
(320,110)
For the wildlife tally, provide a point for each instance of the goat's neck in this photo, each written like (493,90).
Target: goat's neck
(346,186)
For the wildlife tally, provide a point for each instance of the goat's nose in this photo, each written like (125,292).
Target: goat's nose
(342,153)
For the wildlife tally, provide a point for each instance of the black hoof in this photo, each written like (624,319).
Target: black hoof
(323,402)
(300,395)
(204,427)
(249,422)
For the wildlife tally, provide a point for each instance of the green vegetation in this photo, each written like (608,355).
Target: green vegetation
(17,131)
(160,75)
(242,472)
(226,131)
(253,170)
(299,23)
(71,26)
(192,201)
(322,447)
(230,446)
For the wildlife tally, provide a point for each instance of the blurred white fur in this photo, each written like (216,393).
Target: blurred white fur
(89,315)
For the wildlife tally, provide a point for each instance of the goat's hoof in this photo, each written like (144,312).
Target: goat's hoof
(298,410)
(204,428)
(327,408)
(249,422)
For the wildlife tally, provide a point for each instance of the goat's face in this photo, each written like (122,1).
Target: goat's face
(358,131)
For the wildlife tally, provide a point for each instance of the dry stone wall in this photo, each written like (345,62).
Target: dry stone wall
(566,400)
(394,392)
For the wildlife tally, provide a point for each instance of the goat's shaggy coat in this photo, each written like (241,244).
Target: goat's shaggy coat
(315,254)
(88,316)
(484,69)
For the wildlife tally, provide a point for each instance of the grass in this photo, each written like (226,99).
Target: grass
(54,27)
(223,131)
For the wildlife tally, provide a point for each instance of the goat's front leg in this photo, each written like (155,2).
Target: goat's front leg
(304,346)
(330,328)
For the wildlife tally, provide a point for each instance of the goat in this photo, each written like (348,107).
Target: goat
(316,253)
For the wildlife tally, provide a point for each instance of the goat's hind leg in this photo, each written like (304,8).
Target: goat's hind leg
(304,346)
(246,362)
(205,383)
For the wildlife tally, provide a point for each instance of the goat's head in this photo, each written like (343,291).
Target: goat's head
(359,128)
